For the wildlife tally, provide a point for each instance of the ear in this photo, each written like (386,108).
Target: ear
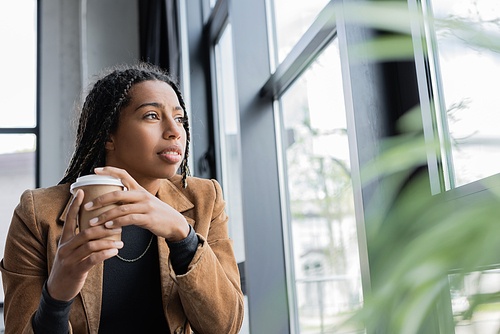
(110,145)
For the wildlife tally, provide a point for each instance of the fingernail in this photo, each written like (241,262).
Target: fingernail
(117,230)
(112,252)
(109,224)
(93,221)
(88,205)
(98,169)
(119,244)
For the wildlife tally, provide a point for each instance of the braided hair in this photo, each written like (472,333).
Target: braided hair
(101,112)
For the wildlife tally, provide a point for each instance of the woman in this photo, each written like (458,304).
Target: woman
(174,269)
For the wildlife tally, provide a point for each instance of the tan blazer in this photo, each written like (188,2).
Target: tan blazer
(207,298)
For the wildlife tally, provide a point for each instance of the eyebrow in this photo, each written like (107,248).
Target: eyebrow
(157,105)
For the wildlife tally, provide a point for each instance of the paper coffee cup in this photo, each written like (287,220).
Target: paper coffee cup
(93,186)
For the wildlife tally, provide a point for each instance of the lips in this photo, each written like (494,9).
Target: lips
(172,154)
(171,150)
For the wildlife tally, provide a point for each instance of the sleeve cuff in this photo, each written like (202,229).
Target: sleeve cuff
(52,316)
(182,252)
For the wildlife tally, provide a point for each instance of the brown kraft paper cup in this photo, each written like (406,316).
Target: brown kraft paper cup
(92,191)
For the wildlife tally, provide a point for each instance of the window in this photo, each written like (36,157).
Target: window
(464,67)
(320,197)
(293,18)
(229,139)
(227,135)
(306,248)
(320,231)
(269,75)
(473,301)
(18,120)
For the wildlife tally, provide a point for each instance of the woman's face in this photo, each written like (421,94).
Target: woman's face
(150,139)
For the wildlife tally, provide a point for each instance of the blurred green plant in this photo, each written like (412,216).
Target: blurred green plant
(421,245)
(418,240)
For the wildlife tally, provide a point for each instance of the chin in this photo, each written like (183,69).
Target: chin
(169,175)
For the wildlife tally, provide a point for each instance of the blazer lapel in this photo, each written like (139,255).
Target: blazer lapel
(91,294)
(171,195)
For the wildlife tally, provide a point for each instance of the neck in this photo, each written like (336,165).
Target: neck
(151,185)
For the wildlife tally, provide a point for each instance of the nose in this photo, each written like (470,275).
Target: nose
(172,129)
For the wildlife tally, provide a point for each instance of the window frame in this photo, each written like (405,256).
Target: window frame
(217,22)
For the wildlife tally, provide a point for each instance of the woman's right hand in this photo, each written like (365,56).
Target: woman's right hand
(78,253)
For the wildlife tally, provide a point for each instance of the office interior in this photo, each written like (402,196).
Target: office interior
(291,104)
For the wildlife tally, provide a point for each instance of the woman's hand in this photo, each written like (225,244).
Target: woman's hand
(78,253)
(137,207)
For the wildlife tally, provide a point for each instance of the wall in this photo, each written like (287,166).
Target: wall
(70,52)
(112,33)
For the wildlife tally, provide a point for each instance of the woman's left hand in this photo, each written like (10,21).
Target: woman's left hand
(137,207)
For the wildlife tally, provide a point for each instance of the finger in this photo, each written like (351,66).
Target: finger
(71,218)
(115,197)
(93,233)
(127,180)
(97,257)
(137,219)
(132,211)
(96,246)
(84,237)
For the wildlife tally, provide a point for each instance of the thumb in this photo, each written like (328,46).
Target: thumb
(71,219)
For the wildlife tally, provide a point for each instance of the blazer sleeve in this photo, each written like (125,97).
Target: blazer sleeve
(24,267)
(210,290)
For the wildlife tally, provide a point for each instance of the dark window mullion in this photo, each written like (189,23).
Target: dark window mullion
(217,21)
(19,130)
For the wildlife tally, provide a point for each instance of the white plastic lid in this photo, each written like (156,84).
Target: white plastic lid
(94,179)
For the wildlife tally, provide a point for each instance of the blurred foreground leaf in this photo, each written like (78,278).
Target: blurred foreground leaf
(416,240)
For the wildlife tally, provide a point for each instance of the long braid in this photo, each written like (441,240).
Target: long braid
(100,115)
(184,168)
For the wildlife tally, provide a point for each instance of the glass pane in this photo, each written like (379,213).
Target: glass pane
(292,19)
(229,139)
(17,173)
(468,75)
(475,303)
(323,226)
(18,59)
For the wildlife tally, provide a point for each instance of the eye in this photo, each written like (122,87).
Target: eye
(151,115)
(180,119)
